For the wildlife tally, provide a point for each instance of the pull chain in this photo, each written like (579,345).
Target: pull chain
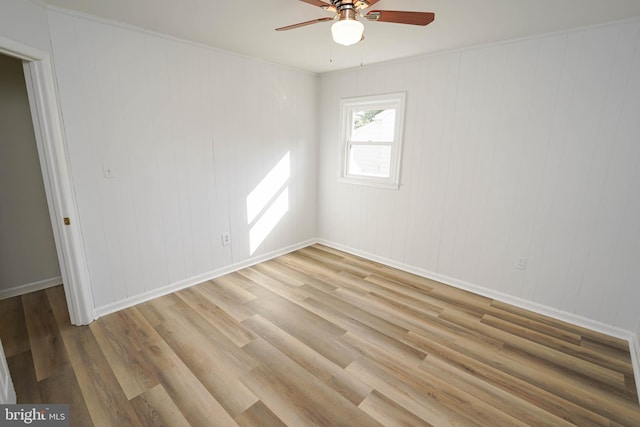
(331,52)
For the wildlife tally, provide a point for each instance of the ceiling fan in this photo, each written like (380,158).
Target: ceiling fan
(348,30)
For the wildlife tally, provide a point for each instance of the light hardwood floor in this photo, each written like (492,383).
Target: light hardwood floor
(317,337)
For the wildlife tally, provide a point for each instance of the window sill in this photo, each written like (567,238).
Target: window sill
(369,182)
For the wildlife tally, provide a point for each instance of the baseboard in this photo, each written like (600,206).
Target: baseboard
(489,293)
(186,283)
(30,287)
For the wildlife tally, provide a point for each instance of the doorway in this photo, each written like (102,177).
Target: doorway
(56,177)
(28,259)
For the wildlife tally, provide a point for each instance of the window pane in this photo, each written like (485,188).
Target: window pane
(370,160)
(373,125)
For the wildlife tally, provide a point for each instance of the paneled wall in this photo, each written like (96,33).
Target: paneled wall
(528,148)
(28,258)
(166,141)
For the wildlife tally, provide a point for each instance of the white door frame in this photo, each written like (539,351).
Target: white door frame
(52,152)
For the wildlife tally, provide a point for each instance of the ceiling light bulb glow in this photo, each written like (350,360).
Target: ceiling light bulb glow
(347,32)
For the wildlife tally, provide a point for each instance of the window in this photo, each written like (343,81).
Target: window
(372,138)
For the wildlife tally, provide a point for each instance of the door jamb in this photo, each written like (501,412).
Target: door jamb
(52,152)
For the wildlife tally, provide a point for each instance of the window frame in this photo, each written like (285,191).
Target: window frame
(348,106)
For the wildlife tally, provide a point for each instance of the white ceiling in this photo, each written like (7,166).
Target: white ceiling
(247,26)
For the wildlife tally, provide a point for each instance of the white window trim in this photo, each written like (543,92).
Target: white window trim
(347,105)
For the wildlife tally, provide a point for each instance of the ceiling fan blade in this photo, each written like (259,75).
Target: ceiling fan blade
(303,24)
(401,17)
(319,3)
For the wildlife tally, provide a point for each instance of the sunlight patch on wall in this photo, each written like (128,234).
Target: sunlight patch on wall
(268,221)
(268,203)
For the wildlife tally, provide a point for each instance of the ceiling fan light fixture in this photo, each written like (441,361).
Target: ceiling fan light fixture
(347,32)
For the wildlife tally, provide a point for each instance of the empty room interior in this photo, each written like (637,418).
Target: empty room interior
(320,213)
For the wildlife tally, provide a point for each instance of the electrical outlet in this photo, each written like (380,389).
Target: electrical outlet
(521,264)
(226,238)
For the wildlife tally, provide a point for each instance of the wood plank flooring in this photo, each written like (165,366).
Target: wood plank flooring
(317,337)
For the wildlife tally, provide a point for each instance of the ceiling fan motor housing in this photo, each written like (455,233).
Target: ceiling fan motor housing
(348,9)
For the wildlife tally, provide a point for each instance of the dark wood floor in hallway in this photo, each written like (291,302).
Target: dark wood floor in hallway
(317,337)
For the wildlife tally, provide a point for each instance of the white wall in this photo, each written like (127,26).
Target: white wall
(528,148)
(27,250)
(25,22)
(188,133)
